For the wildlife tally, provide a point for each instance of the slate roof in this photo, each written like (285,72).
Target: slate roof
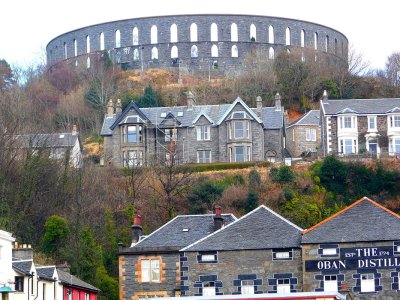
(181,231)
(311,118)
(46,273)
(23,266)
(262,228)
(272,119)
(360,106)
(363,221)
(48,140)
(67,279)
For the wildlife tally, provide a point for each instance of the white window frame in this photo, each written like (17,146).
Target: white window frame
(372,120)
(247,287)
(209,290)
(343,145)
(208,257)
(202,158)
(330,283)
(203,132)
(311,134)
(133,133)
(284,286)
(150,272)
(329,251)
(367,283)
(394,142)
(394,121)
(282,255)
(245,129)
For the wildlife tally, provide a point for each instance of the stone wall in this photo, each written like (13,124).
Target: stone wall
(298,144)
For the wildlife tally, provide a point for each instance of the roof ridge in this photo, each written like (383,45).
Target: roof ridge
(346,209)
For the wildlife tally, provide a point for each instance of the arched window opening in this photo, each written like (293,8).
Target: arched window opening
(75,48)
(214,51)
(235,51)
(271,37)
(271,53)
(336,47)
(135,36)
(288,37)
(303,58)
(315,41)
(193,32)
(153,35)
(174,52)
(326,43)
(154,53)
(234,33)
(194,52)
(88,62)
(65,50)
(253,33)
(136,55)
(117,39)
(302,38)
(87,44)
(101,40)
(174,33)
(214,32)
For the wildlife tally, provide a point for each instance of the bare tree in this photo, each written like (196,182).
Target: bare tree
(393,69)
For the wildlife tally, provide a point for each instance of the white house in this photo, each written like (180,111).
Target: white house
(6,279)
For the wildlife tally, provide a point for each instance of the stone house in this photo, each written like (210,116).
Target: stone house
(259,253)
(150,267)
(304,134)
(355,126)
(193,133)
(357,249)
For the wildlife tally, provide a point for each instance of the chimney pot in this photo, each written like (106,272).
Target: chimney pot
(218,220)
(190,99)
(110,108)
(74,129)
(137,220)
(278,105)
(118,107)
(137,229)
(325,97)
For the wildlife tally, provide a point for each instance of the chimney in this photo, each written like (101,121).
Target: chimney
(137,229)
(22,251)
(118,107)
(110,108)
(190,100)
(325,97)
(74,129)
(259,107)
(64,267)
(218,220)
(278,105)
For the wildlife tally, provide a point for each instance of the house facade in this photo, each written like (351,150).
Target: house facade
(356,126)
(6,279)
(304,134)
(193,133)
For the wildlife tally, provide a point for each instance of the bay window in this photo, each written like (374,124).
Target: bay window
(394,145)
(132,134)
(348,145)
(347,122)
(240,153)
(394,121)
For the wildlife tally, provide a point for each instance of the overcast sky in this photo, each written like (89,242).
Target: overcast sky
(26,26)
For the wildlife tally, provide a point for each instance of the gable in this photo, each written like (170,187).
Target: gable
(131,109)
(170,121)
(364,220)
(236,106)
(202,118)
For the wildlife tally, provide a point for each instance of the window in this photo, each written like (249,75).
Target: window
(253,33)
(241,129)
(394,121)
(302,37)
(208,257)
(311,134)
(348,146)
(150,270)
(283,286)
(367,283)
(101,37)
(86,296)
(65,51)
(271,53)
(174,33)
(132,134)
(154,53)
(87,44)
(75,48)
(203,132)
(372,123)
(315,41)
(394,145)
(136,54)
(234,33)
(214,32)
(19,283)
(326,43)
(282,254)
(235,52)
(153,35)
(330,283)
(203,156)
(169,133)
(117,39)
(135,36)
(209,288)
(194,52)
(288,38)
(330,251)
(214,51)
(336,47)
(174,52)
(271,34)
(239,154)
(347,122)
(193,33)
(247,287)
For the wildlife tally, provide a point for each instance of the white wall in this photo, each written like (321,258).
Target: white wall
(6,271)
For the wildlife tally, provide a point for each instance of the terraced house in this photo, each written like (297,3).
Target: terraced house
(193,133)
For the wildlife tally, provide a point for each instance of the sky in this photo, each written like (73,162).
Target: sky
(26,26)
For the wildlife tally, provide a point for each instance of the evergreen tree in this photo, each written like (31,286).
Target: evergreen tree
(149,98)
(251,202)
(55,237)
